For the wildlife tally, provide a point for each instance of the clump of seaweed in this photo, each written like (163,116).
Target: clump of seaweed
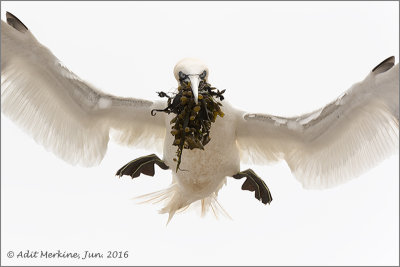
(192,123)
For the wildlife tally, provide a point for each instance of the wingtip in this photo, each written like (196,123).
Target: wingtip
(384,65)
(14,22)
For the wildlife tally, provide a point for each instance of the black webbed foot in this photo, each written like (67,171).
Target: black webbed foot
(255,184)
(143,165)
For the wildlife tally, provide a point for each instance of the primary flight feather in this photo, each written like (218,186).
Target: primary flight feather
(74,120)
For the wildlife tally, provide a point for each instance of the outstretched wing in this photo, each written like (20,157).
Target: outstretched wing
(335,143)
(65,114)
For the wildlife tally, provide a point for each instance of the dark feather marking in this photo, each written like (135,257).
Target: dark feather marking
(15,22)
(384,65)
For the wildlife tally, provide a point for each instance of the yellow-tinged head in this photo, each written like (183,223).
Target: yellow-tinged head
(191,70)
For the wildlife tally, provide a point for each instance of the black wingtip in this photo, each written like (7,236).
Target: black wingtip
(14,22)
(384,65)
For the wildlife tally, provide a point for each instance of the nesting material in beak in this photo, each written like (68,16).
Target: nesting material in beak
(192,123)
(194,83)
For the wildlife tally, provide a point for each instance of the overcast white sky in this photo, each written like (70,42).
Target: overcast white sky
(282,58)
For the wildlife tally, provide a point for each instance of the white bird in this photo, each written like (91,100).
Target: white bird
(74,120)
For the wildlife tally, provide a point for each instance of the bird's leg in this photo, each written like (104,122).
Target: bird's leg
(256,184)
(143,165)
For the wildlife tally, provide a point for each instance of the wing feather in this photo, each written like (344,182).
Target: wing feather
(335,143)
(65,114)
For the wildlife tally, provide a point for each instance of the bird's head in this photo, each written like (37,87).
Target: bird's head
(191,70)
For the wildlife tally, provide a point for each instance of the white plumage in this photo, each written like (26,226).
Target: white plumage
(335,143)
(74,120)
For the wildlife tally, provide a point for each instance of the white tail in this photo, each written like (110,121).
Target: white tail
(175,201)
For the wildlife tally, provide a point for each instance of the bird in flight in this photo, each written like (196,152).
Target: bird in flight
(202,137)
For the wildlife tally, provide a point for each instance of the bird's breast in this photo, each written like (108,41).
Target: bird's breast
(205,170)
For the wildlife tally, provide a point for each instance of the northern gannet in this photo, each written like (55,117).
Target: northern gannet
(74,120)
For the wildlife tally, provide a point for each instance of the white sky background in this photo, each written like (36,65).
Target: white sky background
(279,58)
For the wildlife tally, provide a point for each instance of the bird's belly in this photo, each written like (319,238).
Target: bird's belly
(203,172)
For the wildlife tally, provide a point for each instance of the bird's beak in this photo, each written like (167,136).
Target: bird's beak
(194,82)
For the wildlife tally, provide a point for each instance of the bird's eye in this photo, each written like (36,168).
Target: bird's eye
(182,75)
(203,75)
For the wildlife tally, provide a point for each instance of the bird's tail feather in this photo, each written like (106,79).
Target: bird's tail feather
(175,202)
